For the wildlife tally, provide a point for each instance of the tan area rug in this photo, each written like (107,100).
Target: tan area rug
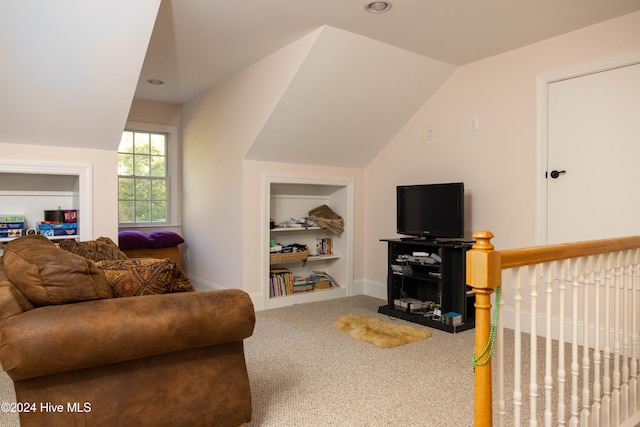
(379,333)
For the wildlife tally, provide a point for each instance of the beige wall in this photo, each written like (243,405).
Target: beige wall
(218,128)
(160,113)
(497,161)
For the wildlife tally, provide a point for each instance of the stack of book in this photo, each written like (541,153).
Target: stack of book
(302,284)
(12,225)
(323,280)
(282,282)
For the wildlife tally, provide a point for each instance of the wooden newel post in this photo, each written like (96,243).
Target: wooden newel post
(483,275)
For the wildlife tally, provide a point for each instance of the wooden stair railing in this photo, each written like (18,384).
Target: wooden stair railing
(483,275)
(484,271)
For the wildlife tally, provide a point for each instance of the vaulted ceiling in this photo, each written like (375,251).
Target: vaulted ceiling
(71,69)
(196,43)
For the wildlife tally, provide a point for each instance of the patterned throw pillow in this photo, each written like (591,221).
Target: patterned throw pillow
(96,250)
(144,276)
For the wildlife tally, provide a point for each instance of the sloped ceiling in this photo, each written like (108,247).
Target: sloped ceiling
(349,98)
(70,69)
(197,44)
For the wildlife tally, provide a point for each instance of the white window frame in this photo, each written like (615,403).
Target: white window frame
(174,175)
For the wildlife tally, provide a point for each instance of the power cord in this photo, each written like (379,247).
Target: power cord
(488,349)
(403,294)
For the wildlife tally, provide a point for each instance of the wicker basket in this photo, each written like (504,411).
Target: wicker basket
(280,258)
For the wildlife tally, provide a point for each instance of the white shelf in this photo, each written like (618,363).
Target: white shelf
(285,229)
(310,258)
(74,236)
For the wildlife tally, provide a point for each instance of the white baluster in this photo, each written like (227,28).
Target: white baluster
(533,278)
(615,392)
(585,414)
(633,382)
(562,278)
(606,375)
(575,286)
(626,297)
(498,360)
(548,272)
(596,414)
(517,346)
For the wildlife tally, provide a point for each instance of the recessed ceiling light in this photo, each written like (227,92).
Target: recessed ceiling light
(155,81)
(377,6)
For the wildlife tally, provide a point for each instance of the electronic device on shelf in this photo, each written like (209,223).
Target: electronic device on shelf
(431,210)
(411,305)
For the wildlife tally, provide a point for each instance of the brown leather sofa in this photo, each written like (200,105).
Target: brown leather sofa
(173,359)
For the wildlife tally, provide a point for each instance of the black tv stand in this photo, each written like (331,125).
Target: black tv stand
(429,291)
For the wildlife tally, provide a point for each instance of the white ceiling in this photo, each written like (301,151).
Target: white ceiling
(197,43)
(69,69)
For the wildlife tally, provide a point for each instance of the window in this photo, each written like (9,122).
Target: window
(144,176)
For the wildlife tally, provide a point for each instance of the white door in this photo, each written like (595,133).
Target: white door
(593,145)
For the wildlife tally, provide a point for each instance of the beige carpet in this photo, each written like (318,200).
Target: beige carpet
(7,395)
(303,372)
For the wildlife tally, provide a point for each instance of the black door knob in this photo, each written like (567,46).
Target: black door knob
(555,174)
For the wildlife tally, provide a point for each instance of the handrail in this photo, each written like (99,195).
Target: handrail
(484,271)
(540,254)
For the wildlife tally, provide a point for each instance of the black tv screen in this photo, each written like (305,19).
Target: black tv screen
(431,210)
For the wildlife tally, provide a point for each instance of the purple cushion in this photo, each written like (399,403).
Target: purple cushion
(164,239)
(132,239)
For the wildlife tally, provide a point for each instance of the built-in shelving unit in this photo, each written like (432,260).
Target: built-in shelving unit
(294,197)
(30,188)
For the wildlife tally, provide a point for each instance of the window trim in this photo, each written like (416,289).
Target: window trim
(174,175)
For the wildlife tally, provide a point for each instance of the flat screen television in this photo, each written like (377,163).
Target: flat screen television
(431,210)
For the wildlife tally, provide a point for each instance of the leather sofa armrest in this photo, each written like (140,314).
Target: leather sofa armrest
(61,338)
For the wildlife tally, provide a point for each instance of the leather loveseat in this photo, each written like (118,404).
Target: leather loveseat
(80,356)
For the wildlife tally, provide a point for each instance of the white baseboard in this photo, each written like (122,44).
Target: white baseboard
(258,302)
(203,285)
(373,289)
(358,287)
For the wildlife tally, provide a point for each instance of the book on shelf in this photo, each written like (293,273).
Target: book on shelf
(324,246)
(12,218)
(51,229)
(322,284)
(319,275)
(11,232)
(12,226)
(302,284)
